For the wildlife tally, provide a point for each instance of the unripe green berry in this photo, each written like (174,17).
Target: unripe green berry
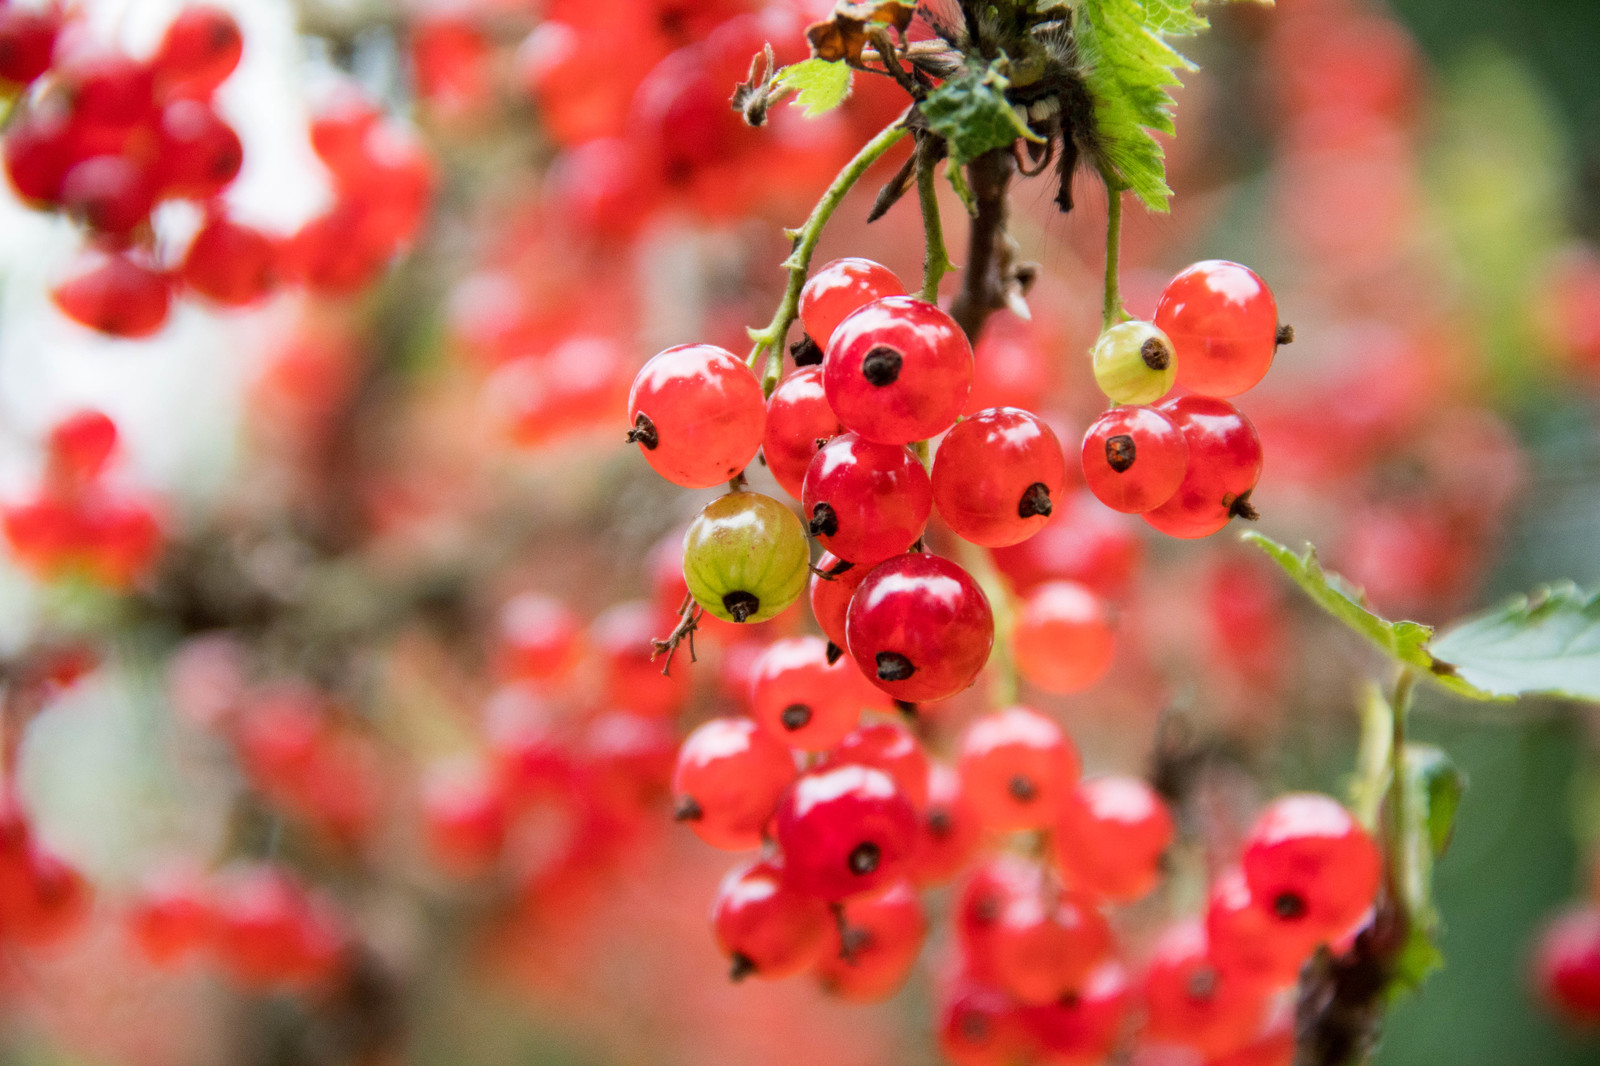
(1134,362)
(745,557)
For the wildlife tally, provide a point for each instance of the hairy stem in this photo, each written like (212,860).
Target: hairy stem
(769,341)
(936,260)
(1112,312)
(982,287)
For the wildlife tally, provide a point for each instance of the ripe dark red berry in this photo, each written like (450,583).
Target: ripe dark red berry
(898,370)
(997,476)
(697,414)
(844,831)
(1567,964)
(920,628)
(866,501)
(1224,466)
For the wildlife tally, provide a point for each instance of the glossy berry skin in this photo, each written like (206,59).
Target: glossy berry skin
(697,414)
(866,501)
(1192,1002)
(729,777)
(1223,322)
(1046,942)
(745,557)
(231,264)
(1063,639)
(1311,861)
(838,290)
(1110,837)
(765,927)
(802,699)
(874,952)
(951,830)
(1017,768)
(830,596)
(201,47)
(980,1026)
(799,422)
(27,39)
(1082,1027)
(996,475)
(1134,458)
(1566,965)
(920,628)
(898,370)
(845,831)
(1133,363)
(892,748)
(112,294)
(1224,465)
(1248,940)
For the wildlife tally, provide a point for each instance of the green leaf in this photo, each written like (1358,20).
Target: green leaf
(972,114)
(819,86)
(1405,642)
(1434,786)
(1546,643)
(1437,786)
(1130,68)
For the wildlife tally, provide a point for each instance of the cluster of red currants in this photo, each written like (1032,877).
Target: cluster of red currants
(1566,961)
(79,521)
(256,921)
(42,899)
(1189,463)
(107,138)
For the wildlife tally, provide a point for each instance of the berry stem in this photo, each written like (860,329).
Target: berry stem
(936,260)
(770,340)
(1397,838)
(1112,312)
(1003,678)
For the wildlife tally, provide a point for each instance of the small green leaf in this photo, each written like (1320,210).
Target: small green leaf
(1546,643)
(1419,959)
(1434,786)
(958,182)
(972,114)
(1437,786)
(819,86)
(1405,642)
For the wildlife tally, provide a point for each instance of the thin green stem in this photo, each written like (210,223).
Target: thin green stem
(936,260)
(1112,313)
(1003,665)
(1399,856)
(770,340)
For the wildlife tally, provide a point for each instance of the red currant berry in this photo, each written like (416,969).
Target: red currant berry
(1084,1025)
(108,193)
(764,926)
(839,289)
(799,423)
(1193,1002)
(1111,836)
(898,370)
(231,264)
(1017,768)
(980,1026)
(996,476)
(27,40)
(1223,322)
(1567,964)
(831,589)
(1134,459)
(1224,465)
(171,916)
(1063,639)
(1250,941)
(201,47)
(982,901)
(1082,542)
(866,501)
(844,831)
(920,627)
(801,698)
(79,447)
(538,639)
(951,830)
(875,944)
(728,779)
(1046,943)
(697,414)
(892,748)
(115,295)
(200,153)
(1312,863)
(464,817)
